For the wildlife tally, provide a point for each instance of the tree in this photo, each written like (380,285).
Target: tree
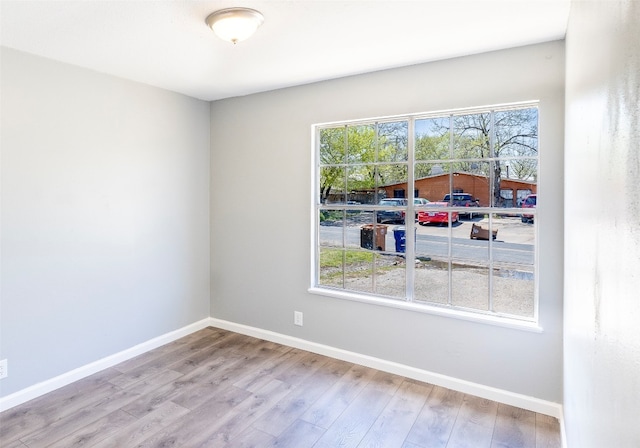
(362,157)
(332,152)
(515,141)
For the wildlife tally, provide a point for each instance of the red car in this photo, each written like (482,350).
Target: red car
(529,202)
(434,216)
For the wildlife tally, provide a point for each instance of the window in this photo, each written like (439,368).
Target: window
(470,241)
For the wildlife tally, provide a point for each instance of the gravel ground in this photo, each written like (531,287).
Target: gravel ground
(470,285)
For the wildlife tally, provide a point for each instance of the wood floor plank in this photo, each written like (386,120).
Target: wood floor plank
(300,434)
(293,405)
(21,420)
(198,358)
(333,403)
(253,380)
(514,428)
(186,386)
(252,438)
(162,352)
(547,432)
(134,376)
(475,423)
(352,425)
(386,382)
(14,444)
(213,380)
(413,445)
(434,424)
(247,412)
(96,431)
(200,423)
(394,423)
(143,428)
(82,417)
(26,419)
(216,388)
(152,383)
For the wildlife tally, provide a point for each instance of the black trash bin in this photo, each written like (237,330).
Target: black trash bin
(372,237)
(399,234)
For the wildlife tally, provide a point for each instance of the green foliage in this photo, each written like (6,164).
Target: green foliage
(334,258)
(362,157)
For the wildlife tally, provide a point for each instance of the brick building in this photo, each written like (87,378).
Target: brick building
(433,188)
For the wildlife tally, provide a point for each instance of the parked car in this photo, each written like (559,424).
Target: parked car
(529,202)
(420,202)
(461,200)
(391,216)
(433,215)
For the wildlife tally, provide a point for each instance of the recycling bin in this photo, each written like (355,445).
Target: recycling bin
(399,234)
(372,237)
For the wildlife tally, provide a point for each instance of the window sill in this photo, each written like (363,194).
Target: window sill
(500,321)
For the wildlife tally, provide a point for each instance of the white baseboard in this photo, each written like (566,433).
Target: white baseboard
(502,396)
(499,395)
(52,384)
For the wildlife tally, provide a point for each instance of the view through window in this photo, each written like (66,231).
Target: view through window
(465,238)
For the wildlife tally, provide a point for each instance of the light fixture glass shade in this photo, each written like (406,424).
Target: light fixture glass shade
(235,24)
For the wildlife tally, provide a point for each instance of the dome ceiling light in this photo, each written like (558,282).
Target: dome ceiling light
(235,24)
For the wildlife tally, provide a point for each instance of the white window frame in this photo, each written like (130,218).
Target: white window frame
(519,323)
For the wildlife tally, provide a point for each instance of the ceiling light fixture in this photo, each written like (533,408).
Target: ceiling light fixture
(235,24)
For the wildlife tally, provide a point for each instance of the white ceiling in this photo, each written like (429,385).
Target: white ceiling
(168,45)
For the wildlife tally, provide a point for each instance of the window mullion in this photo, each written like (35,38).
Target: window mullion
(449,231)
(410,227)
(492,171)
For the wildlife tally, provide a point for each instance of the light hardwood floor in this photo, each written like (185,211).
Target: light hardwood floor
(216,388)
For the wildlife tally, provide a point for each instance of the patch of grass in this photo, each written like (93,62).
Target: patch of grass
(333,258)
(359,264)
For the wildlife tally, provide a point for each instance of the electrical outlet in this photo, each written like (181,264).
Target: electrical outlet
(3,369)
(297,318)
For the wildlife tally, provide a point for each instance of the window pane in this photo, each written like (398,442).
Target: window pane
(392,177)
(358,271)
(374,237)
(390,276)
(331,228)
(432,266)
(470,244)
(432,180)
(361,179)
(394,211)
(332,185)
(511,176)
(516,133)
(471,136)
(432,139)
(361,144)
(393,141)
(514,291)
(470,184)
(513,262)
(331,267)
(332,146)
(470,286)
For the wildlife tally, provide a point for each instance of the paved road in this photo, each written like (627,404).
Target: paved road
(437,246)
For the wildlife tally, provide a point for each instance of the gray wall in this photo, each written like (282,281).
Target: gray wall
(602,245)
(105,216)
(260,218)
